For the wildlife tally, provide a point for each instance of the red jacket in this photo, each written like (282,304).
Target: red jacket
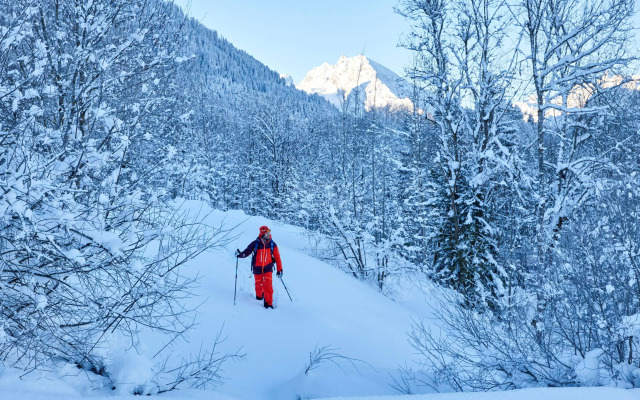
(262,261)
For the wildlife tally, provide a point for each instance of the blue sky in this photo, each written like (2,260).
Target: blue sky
(293,36)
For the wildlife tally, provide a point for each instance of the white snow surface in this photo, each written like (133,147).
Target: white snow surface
(591,393)
(329,308)
(381,87)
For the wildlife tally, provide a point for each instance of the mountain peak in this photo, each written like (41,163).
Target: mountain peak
(288,80)
(382,87)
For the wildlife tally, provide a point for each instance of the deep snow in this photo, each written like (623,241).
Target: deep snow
(329,308)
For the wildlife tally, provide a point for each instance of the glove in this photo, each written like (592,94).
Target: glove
(279,274)
(237,253)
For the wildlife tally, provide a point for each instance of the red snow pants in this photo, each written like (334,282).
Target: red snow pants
(264,286)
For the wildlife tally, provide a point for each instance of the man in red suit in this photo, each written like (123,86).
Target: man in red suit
(265,254)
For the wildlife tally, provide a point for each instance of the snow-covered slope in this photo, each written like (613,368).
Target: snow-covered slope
(380,86)
(329,308)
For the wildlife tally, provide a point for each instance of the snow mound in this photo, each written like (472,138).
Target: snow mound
(132,373)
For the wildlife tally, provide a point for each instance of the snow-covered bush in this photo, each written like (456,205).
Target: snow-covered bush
(587,330)
(88,250)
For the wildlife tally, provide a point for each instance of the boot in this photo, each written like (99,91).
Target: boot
(267,305)
(260,297)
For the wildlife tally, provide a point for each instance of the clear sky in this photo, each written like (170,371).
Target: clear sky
(293,36)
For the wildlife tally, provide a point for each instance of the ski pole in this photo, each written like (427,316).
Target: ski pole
(285,288)
(235,287)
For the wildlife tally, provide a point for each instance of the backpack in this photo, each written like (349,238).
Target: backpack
(255,251)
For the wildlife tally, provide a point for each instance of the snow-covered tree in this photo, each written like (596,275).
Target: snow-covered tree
(555,194)
(458,47)
(89,251)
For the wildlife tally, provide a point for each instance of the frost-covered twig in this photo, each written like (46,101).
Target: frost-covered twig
(327,353)
(201,371)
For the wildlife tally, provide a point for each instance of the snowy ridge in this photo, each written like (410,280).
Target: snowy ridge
(382,87)
(577,97)
(287,79)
